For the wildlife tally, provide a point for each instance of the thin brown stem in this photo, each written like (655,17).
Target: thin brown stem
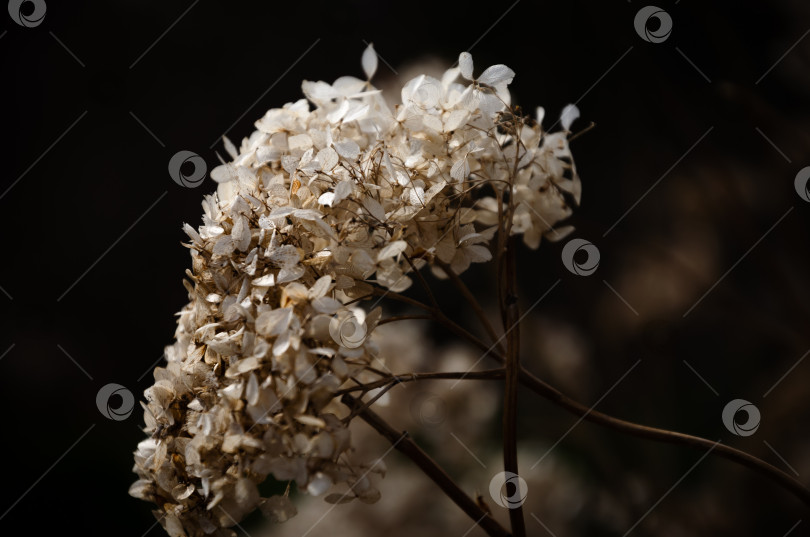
(627,427)
(510,398)
(423,283)
(385,293)
(580,133)
(664,435)
(650,433)
(471,300)
(500,246)
(488,374)
(358,299)
(403,443)
(367,404)
(396,318)
(439,316)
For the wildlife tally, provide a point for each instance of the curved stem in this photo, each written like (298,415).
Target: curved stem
(634,429)
(664,435)
(650,433)
(403,443)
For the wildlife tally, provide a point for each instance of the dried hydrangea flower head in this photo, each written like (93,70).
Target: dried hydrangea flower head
(331,198)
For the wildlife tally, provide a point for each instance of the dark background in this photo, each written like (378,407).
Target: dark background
(72,205)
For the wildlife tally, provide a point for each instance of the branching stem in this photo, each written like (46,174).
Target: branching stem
(580,410)
(650,433)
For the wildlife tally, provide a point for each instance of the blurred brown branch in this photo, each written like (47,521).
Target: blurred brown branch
(403,443)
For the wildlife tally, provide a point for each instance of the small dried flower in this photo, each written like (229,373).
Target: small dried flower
(317,208)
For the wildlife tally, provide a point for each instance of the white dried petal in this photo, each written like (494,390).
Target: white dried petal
(268,280)
(369,61)
(326,305)
(356,112)
(285,256)
(347,149)
(569,114)
(460,170)
(327,198)
(252,390)
(456,119)
(289,274)
(273,323)
(392,250)
(465,64)
(328,158)
(312,421)
(223,173)
(374,209)
(320,288)
(300,142)
(342,191)
(230,148)
(234,391)
(241,233)
(497,75)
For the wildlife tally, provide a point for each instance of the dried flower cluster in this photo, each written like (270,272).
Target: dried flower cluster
(319,207)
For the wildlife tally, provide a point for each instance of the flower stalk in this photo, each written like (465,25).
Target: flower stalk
(511,381)
(403,443)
